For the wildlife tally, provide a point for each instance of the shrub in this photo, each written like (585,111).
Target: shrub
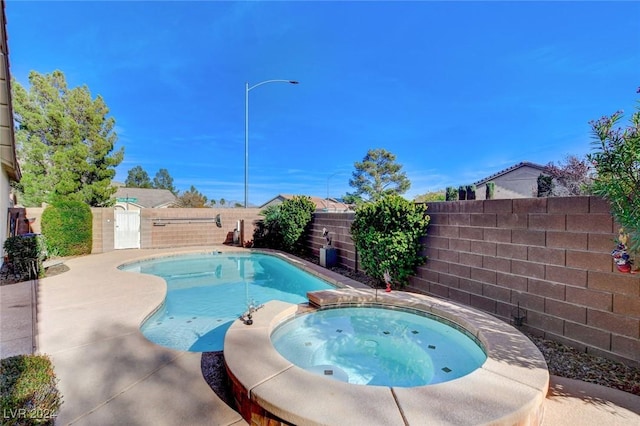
(66,225)
(573,177)
(490,188)
(617,162)
(267,231)
(451,194)
(26,254)
(545,186)
(387,235)
(28,390)
(284,225)
(462,192)
(471,192)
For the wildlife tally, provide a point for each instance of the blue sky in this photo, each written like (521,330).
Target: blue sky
(456,90)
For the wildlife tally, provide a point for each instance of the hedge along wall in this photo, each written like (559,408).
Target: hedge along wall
(552,255)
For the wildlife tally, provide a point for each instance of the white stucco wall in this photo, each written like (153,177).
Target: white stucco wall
(518,183)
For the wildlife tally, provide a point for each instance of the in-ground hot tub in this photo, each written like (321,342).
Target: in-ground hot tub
(508,388)
(377,345)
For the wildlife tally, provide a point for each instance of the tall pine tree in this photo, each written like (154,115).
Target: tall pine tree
(377,175)
(65,142)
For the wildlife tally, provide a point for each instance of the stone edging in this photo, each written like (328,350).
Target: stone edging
(509,388)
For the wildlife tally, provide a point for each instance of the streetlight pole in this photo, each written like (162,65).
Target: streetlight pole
(247,88)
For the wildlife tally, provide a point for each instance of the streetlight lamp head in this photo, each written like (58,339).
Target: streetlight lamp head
(247,88)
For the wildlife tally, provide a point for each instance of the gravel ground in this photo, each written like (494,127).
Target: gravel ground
(215,374)
(562,360)
(565,361)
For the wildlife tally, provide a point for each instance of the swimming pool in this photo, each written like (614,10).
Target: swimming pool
(207,292)
(378,346)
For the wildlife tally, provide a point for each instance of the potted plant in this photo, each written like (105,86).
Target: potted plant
(620,254)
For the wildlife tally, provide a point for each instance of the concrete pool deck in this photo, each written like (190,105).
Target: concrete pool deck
(87,322)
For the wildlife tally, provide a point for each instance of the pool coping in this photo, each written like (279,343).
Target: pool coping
(509,388)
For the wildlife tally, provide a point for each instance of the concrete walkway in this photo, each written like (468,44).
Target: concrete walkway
(88,323)
(18,319)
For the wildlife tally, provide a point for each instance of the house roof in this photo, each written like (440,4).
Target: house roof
(510,169)
(146,197)
(321,203)
(8,156)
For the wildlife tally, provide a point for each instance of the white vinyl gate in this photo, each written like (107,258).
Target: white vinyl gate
(127,229)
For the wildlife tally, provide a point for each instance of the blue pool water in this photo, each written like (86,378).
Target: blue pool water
(207,292)
(377,346)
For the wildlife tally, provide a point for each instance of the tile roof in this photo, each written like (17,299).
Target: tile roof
(510,169)
(147,197)
(321,203)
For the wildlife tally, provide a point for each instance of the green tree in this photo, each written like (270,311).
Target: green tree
(387,236)
(431,196)
(377,175)
(222,202)
(138,178)
(163,180)
(191,199)
(350,198)
(65,142)
(295,215)
(285,225)
(212,202)
(617,163)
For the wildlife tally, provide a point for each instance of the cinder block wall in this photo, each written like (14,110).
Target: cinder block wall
(160,228)
(550,255)
(339,227)
(191,227)
(103,229)
(35,213)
